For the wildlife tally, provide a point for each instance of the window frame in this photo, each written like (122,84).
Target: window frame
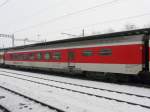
(105,52)
(55,55)
(71,55)
(39,57)
(32,56)
(87,53)
(45,55)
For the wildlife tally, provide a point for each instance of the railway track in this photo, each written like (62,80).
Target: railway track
(83,92)
(29,98)
(4,109)
(113,91)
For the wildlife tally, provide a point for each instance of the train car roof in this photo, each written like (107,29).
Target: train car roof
(91,37)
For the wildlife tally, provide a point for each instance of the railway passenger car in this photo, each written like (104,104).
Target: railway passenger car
(125,53)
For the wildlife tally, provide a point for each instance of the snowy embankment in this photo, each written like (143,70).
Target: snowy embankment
(122,88)
(76,102)
(16,103)
(96,92)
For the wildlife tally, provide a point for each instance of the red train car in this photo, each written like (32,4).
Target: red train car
(122,53)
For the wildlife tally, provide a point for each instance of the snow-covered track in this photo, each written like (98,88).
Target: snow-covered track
(30,98)
(3,109)
(81,92)
(131,94)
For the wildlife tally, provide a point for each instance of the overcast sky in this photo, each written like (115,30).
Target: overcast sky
(48,19)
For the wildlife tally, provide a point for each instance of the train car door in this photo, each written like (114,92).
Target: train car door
(71,59)
(1,57)
(146,53)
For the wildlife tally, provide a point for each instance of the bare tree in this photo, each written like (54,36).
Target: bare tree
(147,25)
(96,32)
(110,30)
(130,27)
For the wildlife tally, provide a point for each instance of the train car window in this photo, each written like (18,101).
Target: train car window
(57,55)
(47,55)
(24,57)
(39,55)
(27,57)
(15,56)
(71,55)
(10,56)
(106,52)
(19,57)
(31,57)
(87,53)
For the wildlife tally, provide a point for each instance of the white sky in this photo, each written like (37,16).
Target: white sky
(46,19)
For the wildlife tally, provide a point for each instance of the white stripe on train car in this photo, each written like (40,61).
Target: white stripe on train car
(112,68)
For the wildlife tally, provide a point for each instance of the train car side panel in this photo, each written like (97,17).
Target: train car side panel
(125,59)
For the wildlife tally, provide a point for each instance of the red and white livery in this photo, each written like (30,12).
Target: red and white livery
(122,52)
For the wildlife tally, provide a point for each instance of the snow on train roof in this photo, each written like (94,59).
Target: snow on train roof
(92,37)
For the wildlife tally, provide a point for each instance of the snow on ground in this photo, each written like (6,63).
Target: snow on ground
(114,95)
(1,110)
(122,88)
(16,103)
(70,101)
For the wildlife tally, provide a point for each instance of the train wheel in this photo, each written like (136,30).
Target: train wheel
(145,77)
